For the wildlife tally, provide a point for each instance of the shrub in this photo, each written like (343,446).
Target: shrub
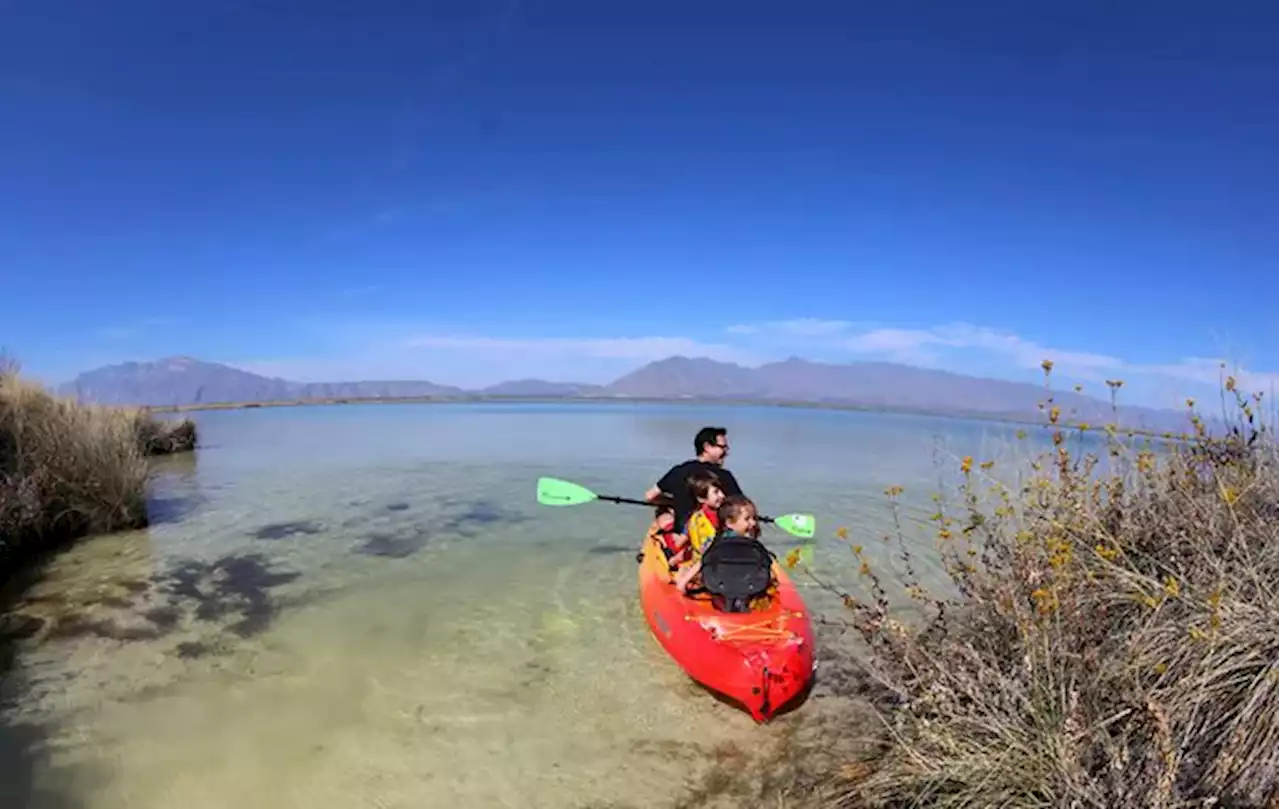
(161,436)
(1112,641)
(68,469)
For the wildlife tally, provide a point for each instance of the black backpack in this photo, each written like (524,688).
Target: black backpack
(735,570)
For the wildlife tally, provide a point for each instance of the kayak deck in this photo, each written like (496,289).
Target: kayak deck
(762,659)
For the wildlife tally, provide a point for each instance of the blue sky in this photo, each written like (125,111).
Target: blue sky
(471,191)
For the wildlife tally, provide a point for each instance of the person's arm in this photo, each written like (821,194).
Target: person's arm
(683,551)
(665,485)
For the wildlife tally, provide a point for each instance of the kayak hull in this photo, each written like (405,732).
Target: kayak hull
(760,660)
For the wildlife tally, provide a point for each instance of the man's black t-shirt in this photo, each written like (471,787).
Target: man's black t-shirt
(676,484)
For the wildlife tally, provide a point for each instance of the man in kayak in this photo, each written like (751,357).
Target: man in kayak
(712,447)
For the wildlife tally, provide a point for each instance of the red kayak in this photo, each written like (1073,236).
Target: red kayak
(762,659)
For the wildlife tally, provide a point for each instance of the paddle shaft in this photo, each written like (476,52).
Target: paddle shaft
(628,501)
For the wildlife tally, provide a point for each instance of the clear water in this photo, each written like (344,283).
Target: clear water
(363,606)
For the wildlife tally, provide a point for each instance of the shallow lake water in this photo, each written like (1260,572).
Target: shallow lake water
(363,606)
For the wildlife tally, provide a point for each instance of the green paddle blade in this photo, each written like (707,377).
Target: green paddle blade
(797,525)
(555,492)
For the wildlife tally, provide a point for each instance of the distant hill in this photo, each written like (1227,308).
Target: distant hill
(882,385)
(693,378)
(187,381)
(885,385)
(540,387)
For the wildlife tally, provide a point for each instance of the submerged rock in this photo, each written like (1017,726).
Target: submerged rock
(280,530)
(20,627)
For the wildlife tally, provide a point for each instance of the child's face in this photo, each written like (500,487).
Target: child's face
(665,520)
(714,497)
(744,522)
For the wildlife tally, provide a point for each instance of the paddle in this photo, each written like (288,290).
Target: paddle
(556,492)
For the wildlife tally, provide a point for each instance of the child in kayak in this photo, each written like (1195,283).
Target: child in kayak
(739,521)
(704,488)
(663,532)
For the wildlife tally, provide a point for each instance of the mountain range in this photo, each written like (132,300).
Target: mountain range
(184,381)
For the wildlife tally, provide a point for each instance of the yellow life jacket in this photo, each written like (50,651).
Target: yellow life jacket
(700,532)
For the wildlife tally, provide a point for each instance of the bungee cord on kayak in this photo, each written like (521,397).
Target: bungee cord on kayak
(764,630)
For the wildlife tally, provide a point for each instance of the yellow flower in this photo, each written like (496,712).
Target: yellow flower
(1161,668)
(944,534)
(1054,413)
(1047,365)
(1231,495)
(893,491)
(1045,600)
(793,558)
(1021,434)
(966,464)
(986,464)
(865,569)
(1231,384)
(1191,402)
(842,532)
(857,549)
(1171,586)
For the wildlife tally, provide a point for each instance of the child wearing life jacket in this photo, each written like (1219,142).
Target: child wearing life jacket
(704,487)
(737,519)
(663,531)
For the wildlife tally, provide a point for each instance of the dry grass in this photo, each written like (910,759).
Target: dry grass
(1114,641)
(160,436)
(67,469)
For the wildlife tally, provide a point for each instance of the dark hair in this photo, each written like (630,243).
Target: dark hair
(664,508)
(701,481)
(707,435)
(732,506)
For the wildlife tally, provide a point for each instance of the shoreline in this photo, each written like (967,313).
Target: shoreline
(1032,421)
